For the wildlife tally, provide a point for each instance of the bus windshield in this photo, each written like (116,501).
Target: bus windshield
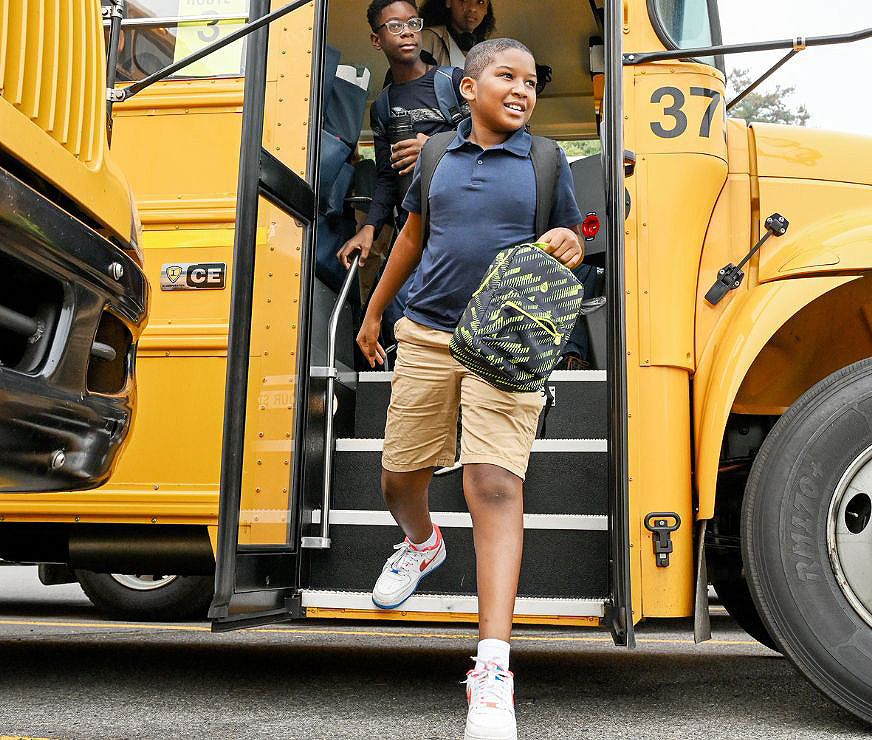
(686,24)
(157,33)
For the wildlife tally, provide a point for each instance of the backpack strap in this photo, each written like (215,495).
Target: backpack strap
(381,107)
(545,154)
(431,154)
(446,95)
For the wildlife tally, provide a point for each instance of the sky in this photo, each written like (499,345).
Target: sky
(832,82)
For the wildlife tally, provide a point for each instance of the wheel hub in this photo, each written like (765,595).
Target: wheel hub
(849,534)
(143,582)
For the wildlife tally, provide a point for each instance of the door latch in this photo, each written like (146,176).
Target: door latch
(657,522)
(730,277)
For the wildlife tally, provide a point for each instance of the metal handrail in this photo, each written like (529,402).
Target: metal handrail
(329,370)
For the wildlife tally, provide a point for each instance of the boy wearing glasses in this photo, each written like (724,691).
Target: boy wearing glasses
(411,99)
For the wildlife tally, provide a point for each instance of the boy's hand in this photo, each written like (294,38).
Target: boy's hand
(360,242)
(404,154)
(564,246)
(367,340)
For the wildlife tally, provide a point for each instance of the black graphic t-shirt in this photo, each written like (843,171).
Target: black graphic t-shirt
(418,99)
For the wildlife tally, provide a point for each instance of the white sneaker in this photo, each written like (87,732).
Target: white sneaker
(403,571)
(491,696)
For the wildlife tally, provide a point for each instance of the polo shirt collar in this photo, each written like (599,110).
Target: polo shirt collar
(518,143)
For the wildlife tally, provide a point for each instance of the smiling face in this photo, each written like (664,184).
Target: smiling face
(466,15)
(400,48)
(504,95)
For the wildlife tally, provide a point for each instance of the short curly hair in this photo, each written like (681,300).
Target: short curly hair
(374,11)
(435,13)
(482,54)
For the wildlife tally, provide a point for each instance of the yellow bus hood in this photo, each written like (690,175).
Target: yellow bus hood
(811,154)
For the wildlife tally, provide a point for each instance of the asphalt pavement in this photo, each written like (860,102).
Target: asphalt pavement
(66,672)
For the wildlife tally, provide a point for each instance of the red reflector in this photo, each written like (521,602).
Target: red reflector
(590,226)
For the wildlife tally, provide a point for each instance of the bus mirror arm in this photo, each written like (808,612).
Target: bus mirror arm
(797,43)
(730,277)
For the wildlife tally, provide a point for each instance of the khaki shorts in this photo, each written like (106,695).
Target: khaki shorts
(428,387)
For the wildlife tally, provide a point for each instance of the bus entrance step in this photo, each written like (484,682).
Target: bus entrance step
(564,476)
(564,556)
(460,604)
(580,404)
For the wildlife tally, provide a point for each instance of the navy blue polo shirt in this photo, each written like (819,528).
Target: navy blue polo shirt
(481,201)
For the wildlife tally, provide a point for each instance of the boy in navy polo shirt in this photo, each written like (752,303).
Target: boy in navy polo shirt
(482,199)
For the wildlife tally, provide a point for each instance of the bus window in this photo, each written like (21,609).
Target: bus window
(156,33)
(686,24)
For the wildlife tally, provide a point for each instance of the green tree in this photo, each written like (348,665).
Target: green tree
(580,147)
(769,107)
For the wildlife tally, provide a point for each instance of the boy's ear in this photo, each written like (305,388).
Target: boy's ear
(375,41)
(467,88)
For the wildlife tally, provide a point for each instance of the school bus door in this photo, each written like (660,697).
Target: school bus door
(265,415)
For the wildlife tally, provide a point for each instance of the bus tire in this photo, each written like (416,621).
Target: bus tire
(173,598)
(736,599)
(804,515)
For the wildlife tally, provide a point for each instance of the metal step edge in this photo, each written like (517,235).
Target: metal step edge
(525,606)
(461,519)
(355,444)
(563,376)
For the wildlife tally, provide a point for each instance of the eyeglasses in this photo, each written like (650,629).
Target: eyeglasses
(397,27)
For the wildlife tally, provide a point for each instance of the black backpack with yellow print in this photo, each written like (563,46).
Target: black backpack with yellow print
(516,324)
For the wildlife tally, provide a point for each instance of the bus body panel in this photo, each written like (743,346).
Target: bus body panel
(54,122)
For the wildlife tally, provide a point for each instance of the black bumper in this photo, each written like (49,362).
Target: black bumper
(65,407)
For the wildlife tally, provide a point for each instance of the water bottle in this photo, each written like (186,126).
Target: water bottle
(400,129)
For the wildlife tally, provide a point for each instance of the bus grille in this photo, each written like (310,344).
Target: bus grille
(53,70)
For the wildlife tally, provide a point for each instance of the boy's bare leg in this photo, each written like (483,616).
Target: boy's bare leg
(406,497)
(495,500)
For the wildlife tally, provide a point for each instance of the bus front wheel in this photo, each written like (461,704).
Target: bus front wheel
(807,536)
(147,597)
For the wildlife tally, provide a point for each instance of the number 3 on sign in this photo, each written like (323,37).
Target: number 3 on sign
(675,110)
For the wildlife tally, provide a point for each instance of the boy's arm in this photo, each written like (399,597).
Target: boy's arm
(405,256)
(562,236)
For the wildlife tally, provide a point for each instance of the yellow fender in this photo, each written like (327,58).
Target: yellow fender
(841,243)
(746,326)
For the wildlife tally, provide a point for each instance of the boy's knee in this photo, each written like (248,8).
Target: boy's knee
(491,484)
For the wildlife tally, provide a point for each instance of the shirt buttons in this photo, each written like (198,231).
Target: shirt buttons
(481,161)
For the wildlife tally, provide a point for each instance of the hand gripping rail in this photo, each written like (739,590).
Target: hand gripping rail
(329,372)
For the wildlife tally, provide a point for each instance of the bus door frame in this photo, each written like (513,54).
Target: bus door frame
(279,569)
(251,569)
(618,612)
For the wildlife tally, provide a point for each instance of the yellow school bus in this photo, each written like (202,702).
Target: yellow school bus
(722,434)
(73,298)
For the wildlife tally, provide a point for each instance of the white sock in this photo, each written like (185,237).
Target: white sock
(495,650)
(429,542)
